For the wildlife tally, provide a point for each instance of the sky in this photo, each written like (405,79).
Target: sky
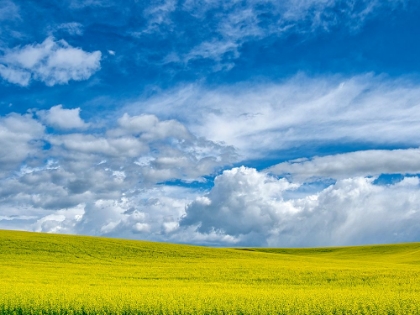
(288,123)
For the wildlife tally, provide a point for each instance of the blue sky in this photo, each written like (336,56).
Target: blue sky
(228,123)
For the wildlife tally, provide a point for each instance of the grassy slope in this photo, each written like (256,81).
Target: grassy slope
(86,274)
(394,253)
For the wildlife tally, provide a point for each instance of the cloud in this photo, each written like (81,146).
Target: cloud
(72,28)
(360,163)
(103,182)
(61,118)
(218,30)
(149,214)
(216,50)
(324,15)
(81,4)
(251,208)
(242,201)
(123,147)
(19,141)
(231,24)
(154,150)
(262,118)
(158,16)
(8,10)
(114,182)
(51,62)
(151,128)
(15,76)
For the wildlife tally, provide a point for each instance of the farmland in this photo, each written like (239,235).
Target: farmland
(63,274)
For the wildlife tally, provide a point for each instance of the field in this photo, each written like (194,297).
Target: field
(61,274)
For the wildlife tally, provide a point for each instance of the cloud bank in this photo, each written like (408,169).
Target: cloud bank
(99,181)
(117,182)
(252,209)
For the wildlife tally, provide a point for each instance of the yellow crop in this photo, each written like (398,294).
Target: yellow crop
(61,274)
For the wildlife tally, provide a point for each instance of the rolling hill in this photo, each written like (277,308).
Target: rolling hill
(64,274)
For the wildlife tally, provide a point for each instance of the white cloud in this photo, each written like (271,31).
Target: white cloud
(19,140)
(234,28)
(250,208)
(262,118)
(361,163)
(109,147)
(150,128)
(149,214)
(242,201)
(61,118)
(103,183)
(52,62)
(215,50)
(15,76)
(61,221)
(158,15)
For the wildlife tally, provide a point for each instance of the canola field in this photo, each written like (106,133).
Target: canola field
(62,274)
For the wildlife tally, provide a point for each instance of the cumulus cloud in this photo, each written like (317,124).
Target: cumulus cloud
(361,163)
(61,118)
(51,62)
(262,118)
(251,208)
(105,182)
(127,146)
(150,128)
(242,202)
(20,137)
(150,214)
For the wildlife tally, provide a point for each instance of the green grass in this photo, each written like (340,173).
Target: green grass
(62,274)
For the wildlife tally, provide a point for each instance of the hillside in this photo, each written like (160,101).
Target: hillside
(63,274)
